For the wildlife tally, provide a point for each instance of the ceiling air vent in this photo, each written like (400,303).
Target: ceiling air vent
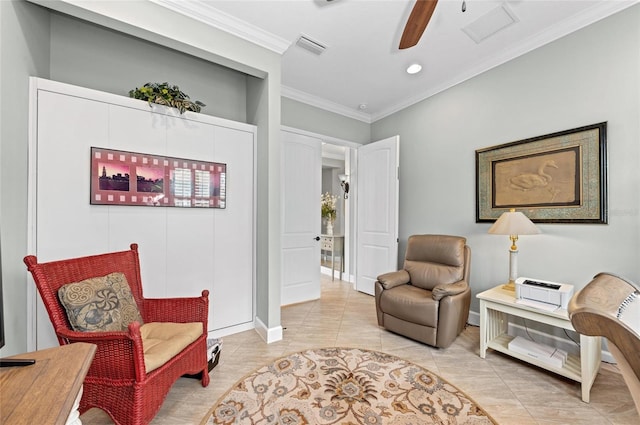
(313,46)
(490,23)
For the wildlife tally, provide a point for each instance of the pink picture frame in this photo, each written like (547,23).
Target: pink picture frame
(131,178)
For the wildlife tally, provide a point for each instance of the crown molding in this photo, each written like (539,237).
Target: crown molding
(590,16)
(218,19)
(325,104)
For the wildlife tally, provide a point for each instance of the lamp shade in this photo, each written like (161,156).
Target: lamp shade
(513,223)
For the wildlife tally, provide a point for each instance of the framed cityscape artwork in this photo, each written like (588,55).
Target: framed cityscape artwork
(555,178)
(130,178)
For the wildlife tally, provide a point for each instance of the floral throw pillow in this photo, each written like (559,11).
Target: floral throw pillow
(100,304)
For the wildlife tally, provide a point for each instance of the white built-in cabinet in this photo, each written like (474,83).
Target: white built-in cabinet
(182,250)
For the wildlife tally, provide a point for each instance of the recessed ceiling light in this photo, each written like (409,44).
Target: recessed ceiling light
(414,68)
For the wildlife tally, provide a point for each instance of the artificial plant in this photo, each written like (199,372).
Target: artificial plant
(165,94)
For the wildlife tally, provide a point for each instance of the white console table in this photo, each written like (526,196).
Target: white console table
(334,244)
(497,303)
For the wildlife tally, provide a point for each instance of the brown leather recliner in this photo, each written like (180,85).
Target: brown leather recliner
(428,300)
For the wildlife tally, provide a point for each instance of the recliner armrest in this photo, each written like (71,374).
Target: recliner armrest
(389,280)
(445,290)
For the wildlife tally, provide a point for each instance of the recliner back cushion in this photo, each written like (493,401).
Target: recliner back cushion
(434,259)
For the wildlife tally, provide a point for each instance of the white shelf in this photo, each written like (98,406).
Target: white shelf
(571,368)
(497,304)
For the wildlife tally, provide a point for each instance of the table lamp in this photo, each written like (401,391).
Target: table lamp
(513,223)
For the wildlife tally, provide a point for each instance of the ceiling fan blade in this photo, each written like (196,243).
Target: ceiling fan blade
(417,23)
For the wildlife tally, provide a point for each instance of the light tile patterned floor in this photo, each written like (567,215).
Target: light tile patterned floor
(511,391)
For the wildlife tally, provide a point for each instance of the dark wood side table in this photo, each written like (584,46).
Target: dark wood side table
(46,392)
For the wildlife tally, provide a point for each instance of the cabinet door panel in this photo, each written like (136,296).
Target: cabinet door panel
(232,299)
(182,250)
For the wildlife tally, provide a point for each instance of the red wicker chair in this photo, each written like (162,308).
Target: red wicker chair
(117,381)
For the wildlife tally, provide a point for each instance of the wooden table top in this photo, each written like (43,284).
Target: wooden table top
(44,393)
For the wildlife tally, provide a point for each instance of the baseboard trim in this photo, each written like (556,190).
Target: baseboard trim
(219,333)
(542,337)
(346,277)
(474,318)
(269,335)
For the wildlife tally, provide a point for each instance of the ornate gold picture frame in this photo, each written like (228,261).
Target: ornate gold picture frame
(555,178)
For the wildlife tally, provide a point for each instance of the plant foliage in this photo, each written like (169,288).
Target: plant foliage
(328,206)
(165,94)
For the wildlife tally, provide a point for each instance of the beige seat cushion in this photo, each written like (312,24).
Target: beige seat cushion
(411,304)
(162,341)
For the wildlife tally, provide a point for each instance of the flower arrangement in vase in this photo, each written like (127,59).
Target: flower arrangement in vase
(328,210)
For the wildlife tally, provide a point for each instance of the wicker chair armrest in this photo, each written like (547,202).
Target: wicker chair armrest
(177,310)
(119,355)
(90,337)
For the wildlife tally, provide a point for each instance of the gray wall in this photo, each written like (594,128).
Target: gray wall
(49,44)
(268,295)
(24,51)
(588,77)
(92,56)
(306,117)
(38,42)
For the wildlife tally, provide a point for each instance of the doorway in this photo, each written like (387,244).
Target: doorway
(372,173)
(334,259)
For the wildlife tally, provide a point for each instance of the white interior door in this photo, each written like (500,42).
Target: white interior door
(377,203)
(301,186)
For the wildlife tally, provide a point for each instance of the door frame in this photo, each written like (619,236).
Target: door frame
(350,169)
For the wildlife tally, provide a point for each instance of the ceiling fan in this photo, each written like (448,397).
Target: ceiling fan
(417,22)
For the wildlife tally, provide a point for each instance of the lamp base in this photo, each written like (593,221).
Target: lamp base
(511,286)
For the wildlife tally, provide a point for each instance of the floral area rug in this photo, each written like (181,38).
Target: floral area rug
(344,386)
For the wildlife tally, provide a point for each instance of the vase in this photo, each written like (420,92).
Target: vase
(329,227)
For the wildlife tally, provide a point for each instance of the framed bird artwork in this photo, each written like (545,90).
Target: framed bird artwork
(555,178)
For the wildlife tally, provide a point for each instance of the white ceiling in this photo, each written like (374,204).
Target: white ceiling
(362,64)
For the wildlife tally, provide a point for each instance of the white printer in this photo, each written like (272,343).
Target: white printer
(544,291)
